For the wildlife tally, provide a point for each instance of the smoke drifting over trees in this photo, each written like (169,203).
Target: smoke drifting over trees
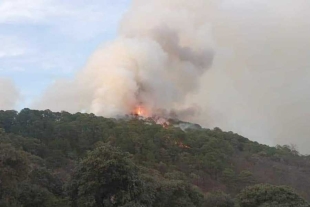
(256,52)
(9,94)
(259,83)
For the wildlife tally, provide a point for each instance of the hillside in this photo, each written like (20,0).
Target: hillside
(41,152)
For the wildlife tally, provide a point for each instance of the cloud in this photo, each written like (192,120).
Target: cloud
(32,31)
(21,10)
(79,19)
(9,94)
(41,11)
(11,47)
(42,40)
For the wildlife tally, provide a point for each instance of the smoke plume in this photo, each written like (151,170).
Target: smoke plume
(258,51)
(162,50)
(259,83)
(8,93)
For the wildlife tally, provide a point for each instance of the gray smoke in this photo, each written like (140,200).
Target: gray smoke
(162,50)
(9,94)
(258,84)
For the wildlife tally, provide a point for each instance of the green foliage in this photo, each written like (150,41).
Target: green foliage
(14,165)
(177,194)
(264,195)
(63,159)
(108,176)
(218,199)
(43,177)
(29,195)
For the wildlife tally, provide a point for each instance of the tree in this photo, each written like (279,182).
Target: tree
(43,178)
(14,168)
(265,195)
(34,196)
(177,193)
(108,177)
(13,164)
(218,199)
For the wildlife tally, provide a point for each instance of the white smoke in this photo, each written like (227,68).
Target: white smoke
(258,85)
(9,94)
(162,50)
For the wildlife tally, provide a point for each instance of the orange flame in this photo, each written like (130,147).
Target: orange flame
(140,111)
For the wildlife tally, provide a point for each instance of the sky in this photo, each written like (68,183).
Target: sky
(43,40)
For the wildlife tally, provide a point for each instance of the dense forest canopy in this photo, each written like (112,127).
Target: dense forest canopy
(62,159)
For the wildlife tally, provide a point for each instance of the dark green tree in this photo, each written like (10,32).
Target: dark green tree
(176,193)
(265,195)
(14,168)
(29,195)
(218,199)
(108,177)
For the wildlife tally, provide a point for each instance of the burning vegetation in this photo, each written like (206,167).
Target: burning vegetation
(140,111)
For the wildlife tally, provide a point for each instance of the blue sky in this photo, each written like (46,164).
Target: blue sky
(43,40)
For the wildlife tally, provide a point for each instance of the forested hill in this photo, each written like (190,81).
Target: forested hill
(62,159)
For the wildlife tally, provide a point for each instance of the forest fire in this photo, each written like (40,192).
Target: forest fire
(140,111)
